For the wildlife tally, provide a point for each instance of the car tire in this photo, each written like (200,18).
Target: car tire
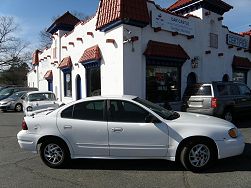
(54,153)
(228,115)
(19,107)
(197,155)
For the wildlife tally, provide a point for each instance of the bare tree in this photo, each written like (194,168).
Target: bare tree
(12,49)
(46,38)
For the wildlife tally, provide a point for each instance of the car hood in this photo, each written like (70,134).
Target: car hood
(5,101)
(193,119)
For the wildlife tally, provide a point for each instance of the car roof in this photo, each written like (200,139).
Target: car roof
(39,92)
(128,97)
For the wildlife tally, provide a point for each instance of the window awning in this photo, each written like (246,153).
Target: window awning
(165,50)
(90,55)
(65,63)
(241,62)
(48,75)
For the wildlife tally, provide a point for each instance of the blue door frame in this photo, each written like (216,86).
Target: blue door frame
(79,88)
(50,85)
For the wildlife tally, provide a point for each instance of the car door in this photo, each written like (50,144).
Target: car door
(129,133)
(245,99)
(84,125)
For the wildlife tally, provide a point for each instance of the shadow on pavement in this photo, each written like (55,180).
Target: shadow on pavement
(239,163)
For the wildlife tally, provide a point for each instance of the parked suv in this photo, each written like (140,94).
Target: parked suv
(221,99)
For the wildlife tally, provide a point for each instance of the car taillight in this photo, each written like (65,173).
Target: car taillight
(24,125)
(214,102)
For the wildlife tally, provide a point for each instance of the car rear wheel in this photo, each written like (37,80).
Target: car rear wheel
(18,107)
(197,155)
(54,153)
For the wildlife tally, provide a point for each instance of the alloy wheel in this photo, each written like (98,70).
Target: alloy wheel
(199,155)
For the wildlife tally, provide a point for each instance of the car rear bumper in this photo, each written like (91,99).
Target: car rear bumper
(231,147)
(206,111)
(27,141)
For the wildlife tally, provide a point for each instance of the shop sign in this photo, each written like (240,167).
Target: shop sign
(237,41)
(172,23)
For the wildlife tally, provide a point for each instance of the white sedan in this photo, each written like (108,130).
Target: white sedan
(128,127)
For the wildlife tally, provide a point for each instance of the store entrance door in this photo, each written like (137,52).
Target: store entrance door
(78,88)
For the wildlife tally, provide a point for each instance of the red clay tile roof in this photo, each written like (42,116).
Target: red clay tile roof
(91,54)
(179,4)
(35,57)
(160,49)
(111,11)
(48,75)
(66,19)
(65,63)
(246,33)
(241,62)
(183,3)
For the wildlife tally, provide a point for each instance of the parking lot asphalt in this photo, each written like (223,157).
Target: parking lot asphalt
(23,169)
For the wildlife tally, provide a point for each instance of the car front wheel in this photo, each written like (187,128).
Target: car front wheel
(54,154)
(197,155)
(18,108)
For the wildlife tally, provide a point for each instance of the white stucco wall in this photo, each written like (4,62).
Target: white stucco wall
(123,65)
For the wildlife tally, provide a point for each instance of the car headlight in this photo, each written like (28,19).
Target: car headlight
(29,109)
(233,133)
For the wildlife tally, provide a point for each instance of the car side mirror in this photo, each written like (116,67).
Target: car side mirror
(151,119)
(22,98)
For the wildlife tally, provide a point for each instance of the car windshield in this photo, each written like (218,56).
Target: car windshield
(6,91)
(198,90)
(41,97)
(16,95)
(162,112)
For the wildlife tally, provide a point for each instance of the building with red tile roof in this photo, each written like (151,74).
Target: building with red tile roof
(136,47)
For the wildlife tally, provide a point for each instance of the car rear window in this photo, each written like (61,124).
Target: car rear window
(198,90)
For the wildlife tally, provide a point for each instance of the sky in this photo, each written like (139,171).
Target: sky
(33,15)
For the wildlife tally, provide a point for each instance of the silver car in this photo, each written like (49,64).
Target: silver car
(38,100)
(13,102)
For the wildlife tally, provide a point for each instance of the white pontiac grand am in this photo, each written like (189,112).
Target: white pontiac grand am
(128,127)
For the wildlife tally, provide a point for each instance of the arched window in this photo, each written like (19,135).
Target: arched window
(225,78)
(191,78)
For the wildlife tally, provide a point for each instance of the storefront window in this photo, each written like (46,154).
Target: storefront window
(67,84)
(93,81)
(240,76)
(162,84)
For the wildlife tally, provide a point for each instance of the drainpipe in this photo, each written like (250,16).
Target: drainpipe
(37,78)
(59,70)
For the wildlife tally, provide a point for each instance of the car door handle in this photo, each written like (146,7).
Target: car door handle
(117,129)
(67,127)
(243,100)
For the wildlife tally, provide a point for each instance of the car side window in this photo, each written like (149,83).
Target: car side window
(68,112)
(234,90)
(223,90)
(124,111)
(91,110)
(244,90)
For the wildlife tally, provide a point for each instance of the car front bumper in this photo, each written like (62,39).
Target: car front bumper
(27,141)
(230,147)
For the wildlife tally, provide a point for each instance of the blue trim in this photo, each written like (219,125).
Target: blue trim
(79,88)
(125,21)
(91,64)
(56,27)
(50,85)
(66,70)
